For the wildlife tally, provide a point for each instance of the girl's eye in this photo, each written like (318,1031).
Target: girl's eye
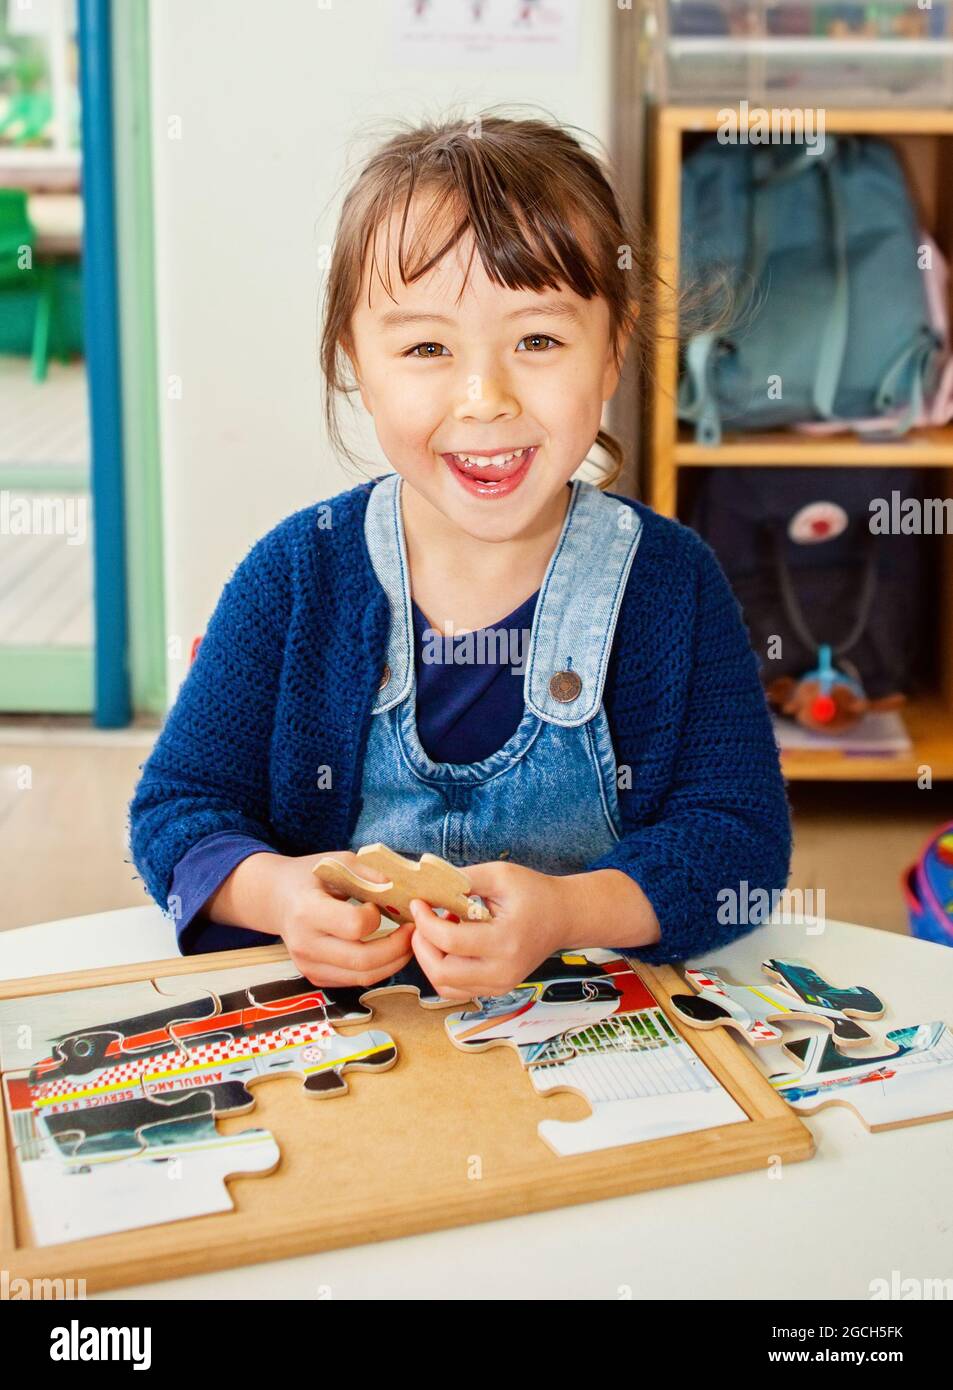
(415,351)
(538,342)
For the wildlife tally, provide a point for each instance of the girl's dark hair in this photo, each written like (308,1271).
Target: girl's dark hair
(542,213)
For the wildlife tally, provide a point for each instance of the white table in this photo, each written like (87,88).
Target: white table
(864,1206)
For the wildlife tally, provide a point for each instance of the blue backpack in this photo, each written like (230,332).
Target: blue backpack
(829,311)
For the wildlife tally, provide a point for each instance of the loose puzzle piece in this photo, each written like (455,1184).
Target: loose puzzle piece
(437,882)
(586,1023)
(801,980)
(912,1084)
(755,1010)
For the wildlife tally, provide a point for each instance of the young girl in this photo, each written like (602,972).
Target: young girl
(607,788)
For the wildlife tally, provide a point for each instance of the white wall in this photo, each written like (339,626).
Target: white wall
(256,112)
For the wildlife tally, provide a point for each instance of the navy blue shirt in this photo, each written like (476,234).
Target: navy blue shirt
(470,685)
(469,703)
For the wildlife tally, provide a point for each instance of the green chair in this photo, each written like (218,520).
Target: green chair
(28,116)
(16,232)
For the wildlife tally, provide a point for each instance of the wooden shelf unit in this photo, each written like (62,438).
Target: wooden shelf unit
(924,142)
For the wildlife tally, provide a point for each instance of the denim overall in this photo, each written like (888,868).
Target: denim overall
(547,798)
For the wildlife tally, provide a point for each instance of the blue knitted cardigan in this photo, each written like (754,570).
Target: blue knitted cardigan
(282,687)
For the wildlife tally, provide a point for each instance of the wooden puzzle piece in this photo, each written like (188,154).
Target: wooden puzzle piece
(642,1081)
(586,1023)
(755,1010)
(803,981)
(32,1027)
(225,979)
(314,1052)
(166,1162)
(908,1086)
(567,991)
(441,884)
(283,1027)
(342,1005)
(111,1132)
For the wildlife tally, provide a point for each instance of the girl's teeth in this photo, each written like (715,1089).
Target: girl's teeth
(497,461)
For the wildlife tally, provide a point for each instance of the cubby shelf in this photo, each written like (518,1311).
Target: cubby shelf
(926,448)
(924,142)
(928,722)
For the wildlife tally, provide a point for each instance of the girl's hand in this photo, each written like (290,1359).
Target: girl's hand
(465,959)
(323,932)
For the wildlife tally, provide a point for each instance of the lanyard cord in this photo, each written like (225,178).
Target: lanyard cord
(795,612)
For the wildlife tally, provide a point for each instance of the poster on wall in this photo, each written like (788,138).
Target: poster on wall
(484,33)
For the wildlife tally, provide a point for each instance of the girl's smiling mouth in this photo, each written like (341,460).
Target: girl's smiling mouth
(489,473)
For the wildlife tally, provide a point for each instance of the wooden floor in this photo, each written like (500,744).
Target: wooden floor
(46,581)
(855,840)
(63,802)
(46,586)
(44,422)
(65,791)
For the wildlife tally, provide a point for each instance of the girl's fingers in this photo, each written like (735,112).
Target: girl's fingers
(450,973)
(348,921)
(338,977)
(453,938)
(487,880)
(358,956)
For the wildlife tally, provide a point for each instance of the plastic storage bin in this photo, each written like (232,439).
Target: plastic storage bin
(877,54)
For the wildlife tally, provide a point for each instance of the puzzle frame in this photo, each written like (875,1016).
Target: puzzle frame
(372,1176)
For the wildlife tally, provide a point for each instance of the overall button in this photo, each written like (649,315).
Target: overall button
(385,676)
(564,686)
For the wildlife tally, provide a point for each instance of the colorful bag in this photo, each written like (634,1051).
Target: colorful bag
(928,889)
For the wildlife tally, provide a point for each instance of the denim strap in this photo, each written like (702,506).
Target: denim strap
(384,534)
(579,603)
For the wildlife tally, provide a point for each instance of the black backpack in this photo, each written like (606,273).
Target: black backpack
(799,551)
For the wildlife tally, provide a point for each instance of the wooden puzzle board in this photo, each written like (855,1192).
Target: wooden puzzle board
(398,1154)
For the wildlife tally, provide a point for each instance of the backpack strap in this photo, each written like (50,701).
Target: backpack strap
(833,344)
(697,398)
(920,354)
(792,604)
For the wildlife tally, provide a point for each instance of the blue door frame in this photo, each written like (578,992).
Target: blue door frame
(112,707)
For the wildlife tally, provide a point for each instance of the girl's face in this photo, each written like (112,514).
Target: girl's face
(485,402)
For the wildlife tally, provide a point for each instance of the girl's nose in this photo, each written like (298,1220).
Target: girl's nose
(486,398)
